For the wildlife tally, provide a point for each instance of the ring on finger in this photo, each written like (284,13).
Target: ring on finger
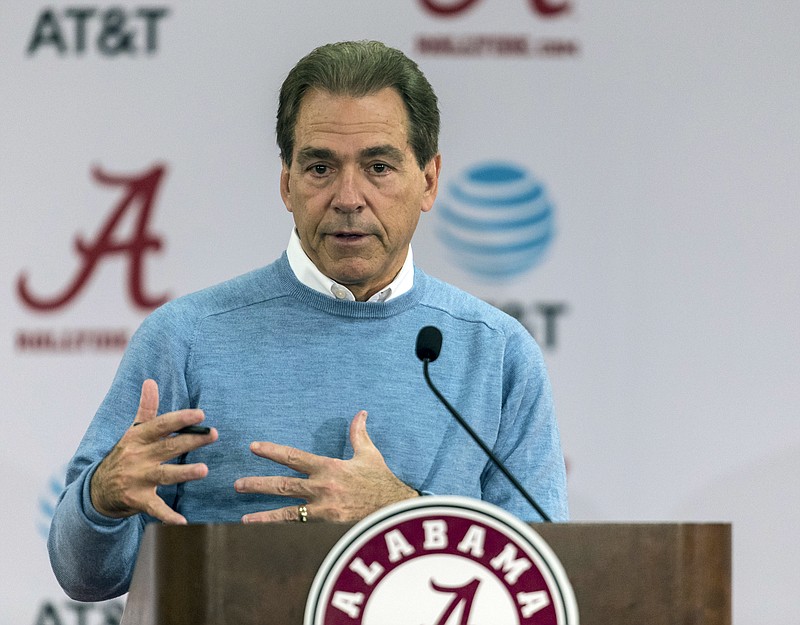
(302,513)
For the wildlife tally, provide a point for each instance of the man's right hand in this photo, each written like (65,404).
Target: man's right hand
(125,482)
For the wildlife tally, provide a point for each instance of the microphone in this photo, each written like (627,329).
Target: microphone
(429,345)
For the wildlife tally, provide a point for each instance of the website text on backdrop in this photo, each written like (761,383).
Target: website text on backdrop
(278,361)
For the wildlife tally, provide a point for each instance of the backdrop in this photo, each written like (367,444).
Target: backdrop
(622,177)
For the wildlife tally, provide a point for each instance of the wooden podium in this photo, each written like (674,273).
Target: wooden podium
(622,574)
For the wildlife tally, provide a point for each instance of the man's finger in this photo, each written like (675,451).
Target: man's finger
(148,402)
(296,459)
(168,474)
(279,515)
(359,438)
(158,509)
(165,448)
(168,423)
(275,485)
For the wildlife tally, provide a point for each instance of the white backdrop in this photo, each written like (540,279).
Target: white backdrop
(665,138)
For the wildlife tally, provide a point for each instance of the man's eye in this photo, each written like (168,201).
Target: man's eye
(320,170)
(379,168)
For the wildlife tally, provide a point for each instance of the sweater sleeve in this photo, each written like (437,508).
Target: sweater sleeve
(92,555)
(528,439)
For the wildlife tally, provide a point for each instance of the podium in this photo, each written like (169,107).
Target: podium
(622,574)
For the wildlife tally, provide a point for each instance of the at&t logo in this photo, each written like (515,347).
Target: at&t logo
(47,502)
(109,31)
(496,219)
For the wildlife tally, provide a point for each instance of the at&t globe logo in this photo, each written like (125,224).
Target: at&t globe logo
(496,219)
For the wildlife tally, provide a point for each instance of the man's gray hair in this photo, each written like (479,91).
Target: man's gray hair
(357,69)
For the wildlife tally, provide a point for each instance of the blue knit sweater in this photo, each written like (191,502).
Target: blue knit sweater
(269,359)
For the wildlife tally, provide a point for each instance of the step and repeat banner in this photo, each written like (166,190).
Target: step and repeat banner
(653,253)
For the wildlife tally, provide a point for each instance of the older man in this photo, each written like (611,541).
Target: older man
(279,360)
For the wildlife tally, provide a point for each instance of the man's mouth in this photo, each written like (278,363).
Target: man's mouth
(349,236)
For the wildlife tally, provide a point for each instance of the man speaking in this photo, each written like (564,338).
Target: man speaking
(284,364)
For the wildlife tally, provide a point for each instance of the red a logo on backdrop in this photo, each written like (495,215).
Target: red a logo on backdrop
(545,8)
(138,195)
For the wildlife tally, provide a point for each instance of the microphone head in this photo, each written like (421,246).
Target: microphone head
(429,343)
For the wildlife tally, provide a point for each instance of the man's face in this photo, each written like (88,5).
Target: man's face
(355,188)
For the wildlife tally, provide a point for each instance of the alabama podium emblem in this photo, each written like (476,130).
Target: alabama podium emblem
(441,561)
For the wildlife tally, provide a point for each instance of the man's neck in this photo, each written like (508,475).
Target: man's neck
(309,274)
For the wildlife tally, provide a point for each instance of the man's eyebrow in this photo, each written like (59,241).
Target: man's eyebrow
(304,155)
(308,154)
(385,150)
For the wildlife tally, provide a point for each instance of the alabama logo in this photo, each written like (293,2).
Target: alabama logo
(441,561)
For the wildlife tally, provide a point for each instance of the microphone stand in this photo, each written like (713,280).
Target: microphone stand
(482,445)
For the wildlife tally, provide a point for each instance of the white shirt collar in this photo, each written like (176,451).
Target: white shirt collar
(306,271)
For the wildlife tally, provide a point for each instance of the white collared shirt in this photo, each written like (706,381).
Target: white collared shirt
(308,273)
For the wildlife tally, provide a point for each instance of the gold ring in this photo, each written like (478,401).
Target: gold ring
(302,513)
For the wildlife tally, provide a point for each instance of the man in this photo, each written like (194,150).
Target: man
(279,360)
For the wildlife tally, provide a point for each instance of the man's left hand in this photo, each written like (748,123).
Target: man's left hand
(335,490)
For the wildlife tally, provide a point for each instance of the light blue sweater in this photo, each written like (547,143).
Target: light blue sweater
(269,359)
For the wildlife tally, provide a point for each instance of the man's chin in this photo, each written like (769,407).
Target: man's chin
(358,278)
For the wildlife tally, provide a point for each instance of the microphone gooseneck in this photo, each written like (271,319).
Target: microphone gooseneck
(429,345)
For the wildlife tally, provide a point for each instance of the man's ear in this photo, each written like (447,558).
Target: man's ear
(431,173)
(284,185)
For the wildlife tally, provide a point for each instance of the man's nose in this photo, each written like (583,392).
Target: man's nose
(348,196)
